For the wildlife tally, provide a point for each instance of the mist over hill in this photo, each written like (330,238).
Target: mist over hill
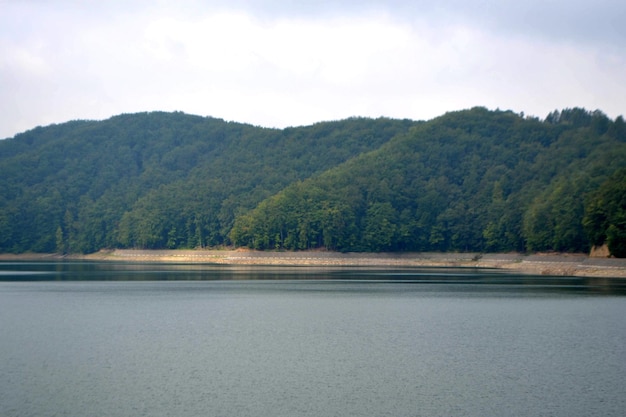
(473,180)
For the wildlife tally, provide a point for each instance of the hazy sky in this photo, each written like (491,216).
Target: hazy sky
(287,63)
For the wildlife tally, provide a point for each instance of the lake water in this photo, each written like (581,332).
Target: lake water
(92,339)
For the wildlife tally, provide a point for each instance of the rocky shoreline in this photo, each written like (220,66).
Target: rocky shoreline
(536,264)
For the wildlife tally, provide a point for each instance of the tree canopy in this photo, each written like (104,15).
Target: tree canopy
(473,180)
(157,180)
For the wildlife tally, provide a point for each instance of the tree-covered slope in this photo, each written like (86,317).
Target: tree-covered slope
(474,180)
(605,214)
(158,179)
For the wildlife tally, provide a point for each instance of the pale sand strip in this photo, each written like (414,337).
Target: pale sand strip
(538,264)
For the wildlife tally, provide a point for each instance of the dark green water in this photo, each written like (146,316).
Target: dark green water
(187,340)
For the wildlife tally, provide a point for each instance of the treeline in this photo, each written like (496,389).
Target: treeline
(158,180)
(474,180)
(468,181)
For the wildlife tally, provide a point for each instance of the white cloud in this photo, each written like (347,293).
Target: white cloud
(269,65)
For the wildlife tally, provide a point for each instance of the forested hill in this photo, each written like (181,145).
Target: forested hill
(468,181)
(158,179)
(473,180)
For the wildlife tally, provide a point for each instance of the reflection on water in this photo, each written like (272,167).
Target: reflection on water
(468,277)
(116,340)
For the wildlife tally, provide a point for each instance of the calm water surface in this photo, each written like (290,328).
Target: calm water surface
(83,339)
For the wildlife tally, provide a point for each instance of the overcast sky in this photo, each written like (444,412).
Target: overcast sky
(288,63)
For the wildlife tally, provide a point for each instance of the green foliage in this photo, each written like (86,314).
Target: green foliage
(473,180)
(158,180)
(553,221)
(605,214)
(468,181)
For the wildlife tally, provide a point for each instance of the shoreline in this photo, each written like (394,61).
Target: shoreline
(553,264)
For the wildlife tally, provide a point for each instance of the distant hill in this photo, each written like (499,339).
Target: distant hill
(474,180)
(158,179)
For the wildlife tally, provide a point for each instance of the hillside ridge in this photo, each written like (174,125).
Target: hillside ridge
(475,180)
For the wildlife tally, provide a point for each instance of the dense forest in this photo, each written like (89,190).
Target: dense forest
(473,180)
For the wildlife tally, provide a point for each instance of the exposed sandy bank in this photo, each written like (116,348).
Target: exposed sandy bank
(537,264)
